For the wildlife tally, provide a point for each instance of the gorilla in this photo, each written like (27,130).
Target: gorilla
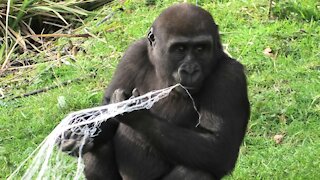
(172,140)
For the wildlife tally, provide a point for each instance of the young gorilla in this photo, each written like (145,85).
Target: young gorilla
(166,142)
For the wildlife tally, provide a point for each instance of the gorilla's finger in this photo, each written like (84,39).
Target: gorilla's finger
(118,96)
(75,136)
(67,134)
(135,92)
(79,146)
(68,145)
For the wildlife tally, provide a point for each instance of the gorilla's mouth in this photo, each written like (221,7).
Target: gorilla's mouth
(190,88)
(182,89)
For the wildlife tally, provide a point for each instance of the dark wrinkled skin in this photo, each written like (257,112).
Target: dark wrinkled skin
(183,46)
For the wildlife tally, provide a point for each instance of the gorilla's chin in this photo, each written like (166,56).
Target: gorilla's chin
(186,90)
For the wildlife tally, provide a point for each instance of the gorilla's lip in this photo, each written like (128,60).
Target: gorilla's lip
(190,89)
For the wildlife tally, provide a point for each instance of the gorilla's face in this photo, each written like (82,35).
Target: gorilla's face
(184,46)
(184,60)
(191,57)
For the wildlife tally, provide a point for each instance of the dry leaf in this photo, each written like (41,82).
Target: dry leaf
(278,138)
(268,52)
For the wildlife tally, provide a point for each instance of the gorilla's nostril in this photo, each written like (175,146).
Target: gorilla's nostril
(189,69)
(185,71)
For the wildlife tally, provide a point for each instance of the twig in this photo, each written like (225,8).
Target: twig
(105,19)
(270,9)
(94,36)
(60,35)
(4,65)
(31,66)
(52,87)
(26,71)
(7,22)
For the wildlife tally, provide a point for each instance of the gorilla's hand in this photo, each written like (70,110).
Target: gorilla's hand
(134,119)
(121,95)
(118,96)
(72,143)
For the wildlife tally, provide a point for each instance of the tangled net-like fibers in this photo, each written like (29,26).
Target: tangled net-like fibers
(48,162)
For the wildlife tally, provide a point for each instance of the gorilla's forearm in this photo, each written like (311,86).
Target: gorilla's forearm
(210,152)
(106,132)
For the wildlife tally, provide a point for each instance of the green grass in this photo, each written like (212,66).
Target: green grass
(284,91)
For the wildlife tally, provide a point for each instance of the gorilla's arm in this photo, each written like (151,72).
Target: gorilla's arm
(224,110)
(124,78)
(127,73)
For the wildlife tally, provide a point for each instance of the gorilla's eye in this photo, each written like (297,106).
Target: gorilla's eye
(180,48)
(200,48)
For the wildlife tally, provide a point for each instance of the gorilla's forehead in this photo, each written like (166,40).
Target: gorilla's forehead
(187,29)
(190,39)
(185,20)
(184,12)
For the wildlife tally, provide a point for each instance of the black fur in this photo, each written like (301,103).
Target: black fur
(165,141)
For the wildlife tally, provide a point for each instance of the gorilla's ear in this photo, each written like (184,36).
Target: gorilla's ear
(151,37)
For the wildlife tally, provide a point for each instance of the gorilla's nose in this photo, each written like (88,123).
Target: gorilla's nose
(189,69)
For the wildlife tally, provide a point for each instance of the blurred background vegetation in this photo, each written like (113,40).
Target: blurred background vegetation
(23,21)
(27,22)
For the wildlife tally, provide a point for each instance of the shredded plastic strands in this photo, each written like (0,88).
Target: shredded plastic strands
(48,162)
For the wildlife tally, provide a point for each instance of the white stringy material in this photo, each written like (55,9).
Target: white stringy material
(47,162)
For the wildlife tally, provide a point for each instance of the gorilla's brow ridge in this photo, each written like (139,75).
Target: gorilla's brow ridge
(195,39)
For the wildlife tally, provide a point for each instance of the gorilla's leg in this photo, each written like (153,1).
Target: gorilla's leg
(100,163)
(181,172)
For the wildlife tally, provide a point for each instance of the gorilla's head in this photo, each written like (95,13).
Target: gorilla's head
(184,46)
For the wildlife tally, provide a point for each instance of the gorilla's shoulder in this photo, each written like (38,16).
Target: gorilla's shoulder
(231,70)
(232,64)
(141,43)
(137,49)
(135,57)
